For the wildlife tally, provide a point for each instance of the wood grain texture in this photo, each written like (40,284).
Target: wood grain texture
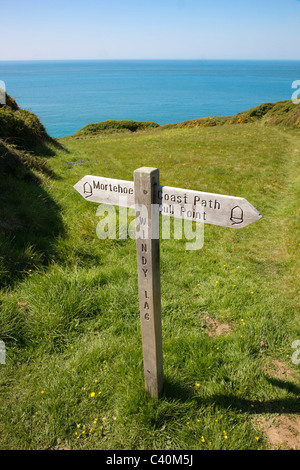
(148,263)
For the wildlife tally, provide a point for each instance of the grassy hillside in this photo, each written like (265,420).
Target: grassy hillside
(283,113)
(73,377)
(114,126)
(29,218)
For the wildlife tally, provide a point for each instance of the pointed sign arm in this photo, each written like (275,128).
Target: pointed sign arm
(198,206)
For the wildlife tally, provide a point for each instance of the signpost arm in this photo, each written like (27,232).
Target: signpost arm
(148,262)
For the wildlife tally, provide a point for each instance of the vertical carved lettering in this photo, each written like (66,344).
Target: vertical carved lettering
(147,246)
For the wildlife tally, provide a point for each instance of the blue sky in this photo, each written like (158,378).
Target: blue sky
(153,29)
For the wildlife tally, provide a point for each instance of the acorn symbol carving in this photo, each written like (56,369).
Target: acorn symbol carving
(236,215)
(87,189)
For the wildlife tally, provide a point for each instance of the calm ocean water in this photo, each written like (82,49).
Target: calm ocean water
(67,95)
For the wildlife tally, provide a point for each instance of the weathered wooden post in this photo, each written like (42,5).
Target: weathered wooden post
(148,263)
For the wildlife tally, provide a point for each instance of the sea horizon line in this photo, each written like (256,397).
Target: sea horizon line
(151,60)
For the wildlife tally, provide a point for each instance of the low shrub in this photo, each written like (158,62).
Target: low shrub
(115,126)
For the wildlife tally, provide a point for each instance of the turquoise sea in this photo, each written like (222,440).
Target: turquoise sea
(67,95)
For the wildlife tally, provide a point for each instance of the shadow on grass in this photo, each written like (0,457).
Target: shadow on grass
(282,406)
(30,220)
(48,147)
(175,390)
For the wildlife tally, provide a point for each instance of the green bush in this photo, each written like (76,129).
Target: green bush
(115,126)
(260,111)
(21,128)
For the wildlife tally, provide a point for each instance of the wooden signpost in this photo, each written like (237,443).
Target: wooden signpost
(150,199)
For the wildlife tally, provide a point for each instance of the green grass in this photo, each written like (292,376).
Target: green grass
(69,301)
(114,126)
